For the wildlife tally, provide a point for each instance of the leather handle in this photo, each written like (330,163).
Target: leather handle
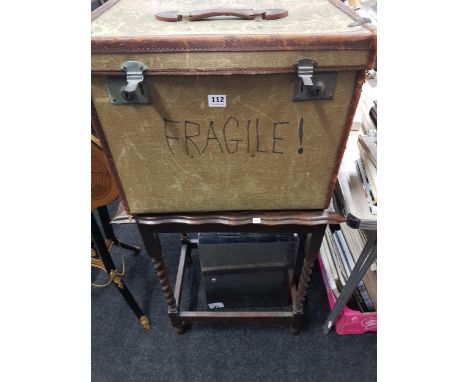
(248,14)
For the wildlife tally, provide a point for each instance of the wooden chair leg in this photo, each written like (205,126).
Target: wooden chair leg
(153,248)
(312,248)
(109,265)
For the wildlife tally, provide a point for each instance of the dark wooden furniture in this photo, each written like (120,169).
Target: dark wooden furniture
(312,223)
(272,140)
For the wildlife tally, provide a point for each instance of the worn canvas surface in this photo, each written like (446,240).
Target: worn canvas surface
(137,18)
(261,151)
(196,61)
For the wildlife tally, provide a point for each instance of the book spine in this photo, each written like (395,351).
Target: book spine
(342,252)
(336,258)
(365,296)
(365,186)
(360,302)
(330,281)
(343,245)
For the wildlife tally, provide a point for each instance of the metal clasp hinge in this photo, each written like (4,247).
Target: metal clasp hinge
(310,86)
(131,88)
(305,70)
(135,77)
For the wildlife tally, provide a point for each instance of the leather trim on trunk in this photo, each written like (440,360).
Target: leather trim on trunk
(355,16)
(240,43)
(360,78)
(199,72)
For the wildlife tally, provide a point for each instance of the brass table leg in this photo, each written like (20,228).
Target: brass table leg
(312,248)
(109,266)
(153,248)
(109,231)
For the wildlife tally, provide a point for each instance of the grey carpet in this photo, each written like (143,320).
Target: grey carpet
(123,351)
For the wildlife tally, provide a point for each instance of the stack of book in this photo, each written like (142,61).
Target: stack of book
(366,161)
(355,194)
(366,166)
(339,253)
(358,172)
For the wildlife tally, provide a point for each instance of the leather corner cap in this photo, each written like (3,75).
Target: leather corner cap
(248,14)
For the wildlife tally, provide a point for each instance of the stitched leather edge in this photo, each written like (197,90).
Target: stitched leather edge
(220,43)
(355,16)
(359,81)
(196,72)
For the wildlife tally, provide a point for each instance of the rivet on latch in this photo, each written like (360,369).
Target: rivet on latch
(135,77)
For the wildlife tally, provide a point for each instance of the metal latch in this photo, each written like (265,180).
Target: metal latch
(135,77)
(312,86)
(305,70)
(129,89)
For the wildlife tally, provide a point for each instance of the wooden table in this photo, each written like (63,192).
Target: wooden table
(311,224)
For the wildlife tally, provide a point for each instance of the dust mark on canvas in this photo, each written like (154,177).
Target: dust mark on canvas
(132,146)
(253,108)
(181,169)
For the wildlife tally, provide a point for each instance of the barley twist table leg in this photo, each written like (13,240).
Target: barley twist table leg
(313,243)
(153,248)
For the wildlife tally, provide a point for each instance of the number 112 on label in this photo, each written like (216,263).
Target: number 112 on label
(217,100)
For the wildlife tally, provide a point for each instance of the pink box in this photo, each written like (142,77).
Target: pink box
(349,321)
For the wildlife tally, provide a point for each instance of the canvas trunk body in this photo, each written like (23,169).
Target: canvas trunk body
(259,147)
